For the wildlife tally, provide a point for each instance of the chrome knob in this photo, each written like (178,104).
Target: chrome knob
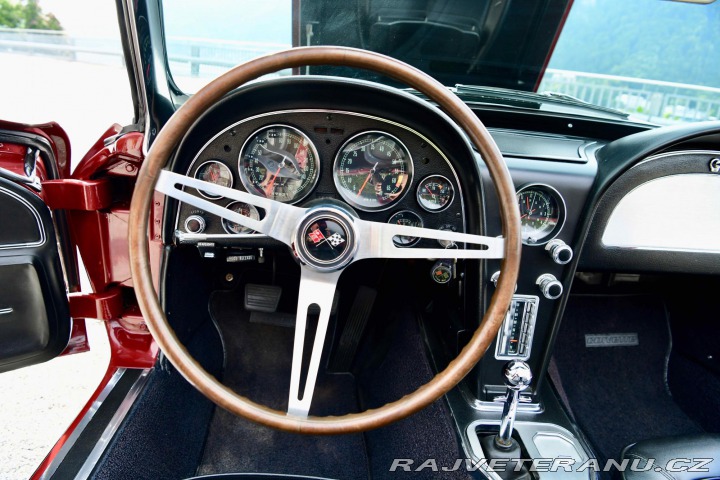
(550,286)
(517,375)
(195,224)
(495,277)
(559,251)
(517,378)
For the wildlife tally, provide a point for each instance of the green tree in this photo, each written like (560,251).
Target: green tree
(27,14)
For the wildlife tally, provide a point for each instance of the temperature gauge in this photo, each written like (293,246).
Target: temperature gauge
(435,193)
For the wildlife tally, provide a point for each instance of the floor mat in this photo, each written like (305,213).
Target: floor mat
(618,394)
(428,434)
(258,359)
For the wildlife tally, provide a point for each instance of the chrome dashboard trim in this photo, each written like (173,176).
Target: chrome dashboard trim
(185,237)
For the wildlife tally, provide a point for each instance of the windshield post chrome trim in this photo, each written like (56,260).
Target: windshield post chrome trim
(189,237)
(113,426)
(136,60)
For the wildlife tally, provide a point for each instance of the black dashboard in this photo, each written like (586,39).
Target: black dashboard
(570,174)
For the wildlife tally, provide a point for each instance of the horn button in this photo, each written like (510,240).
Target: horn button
(325,239)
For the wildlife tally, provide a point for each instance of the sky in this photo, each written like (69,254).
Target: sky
(93,18)
(259,20)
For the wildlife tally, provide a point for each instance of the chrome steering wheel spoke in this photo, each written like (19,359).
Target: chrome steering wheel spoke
(316,288)
(279,219)
(377,242)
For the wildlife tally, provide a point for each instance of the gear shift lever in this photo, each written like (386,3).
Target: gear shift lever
(502,446)
(517,378)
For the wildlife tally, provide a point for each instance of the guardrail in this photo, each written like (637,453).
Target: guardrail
(647,100)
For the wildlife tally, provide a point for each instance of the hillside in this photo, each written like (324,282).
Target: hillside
(653,39)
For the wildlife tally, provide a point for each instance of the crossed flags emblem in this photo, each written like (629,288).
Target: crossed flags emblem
(335,239)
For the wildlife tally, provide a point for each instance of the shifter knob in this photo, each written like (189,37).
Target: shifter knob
(517,378)
(517,375)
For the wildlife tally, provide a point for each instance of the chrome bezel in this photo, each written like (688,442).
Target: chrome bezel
(307,258)
(248,184)
(561,217)
(205,195)
(417,239)
(249,231)
(447,205)
(347,198)
(190,238)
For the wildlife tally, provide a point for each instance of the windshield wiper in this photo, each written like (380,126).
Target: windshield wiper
(569,99)
(531,100)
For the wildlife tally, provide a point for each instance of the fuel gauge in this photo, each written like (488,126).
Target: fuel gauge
(214,172)
(435,193)
(243,209)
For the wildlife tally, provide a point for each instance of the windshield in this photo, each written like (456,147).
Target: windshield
(656,60)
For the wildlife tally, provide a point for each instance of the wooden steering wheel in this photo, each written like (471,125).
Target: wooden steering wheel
(291,225)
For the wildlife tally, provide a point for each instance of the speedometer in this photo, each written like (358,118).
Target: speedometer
(372,170)
(279,162)
(542,213)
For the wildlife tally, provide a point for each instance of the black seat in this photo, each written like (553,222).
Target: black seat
(669,454)
(254,476)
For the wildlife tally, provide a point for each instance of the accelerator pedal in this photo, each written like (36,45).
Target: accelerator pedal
(362,306)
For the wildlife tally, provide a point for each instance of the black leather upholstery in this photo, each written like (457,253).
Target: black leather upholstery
(675,458)
(255,476)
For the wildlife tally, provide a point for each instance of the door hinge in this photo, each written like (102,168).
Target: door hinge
(71,194)
(107,305)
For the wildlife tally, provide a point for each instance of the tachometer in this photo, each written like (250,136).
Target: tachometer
(372,170)
(215,172)
(542,213)
(279,162)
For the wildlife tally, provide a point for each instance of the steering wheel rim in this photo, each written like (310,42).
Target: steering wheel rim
(176,128)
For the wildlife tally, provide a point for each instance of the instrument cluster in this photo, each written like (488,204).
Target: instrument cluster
(396,176)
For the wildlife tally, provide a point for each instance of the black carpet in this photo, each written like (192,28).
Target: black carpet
(429,434)
(258,360)
(697,390)
(163,435)
(619,394)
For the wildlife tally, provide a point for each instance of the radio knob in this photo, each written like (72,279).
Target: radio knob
(195,224)
(550,287)
(559,251)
